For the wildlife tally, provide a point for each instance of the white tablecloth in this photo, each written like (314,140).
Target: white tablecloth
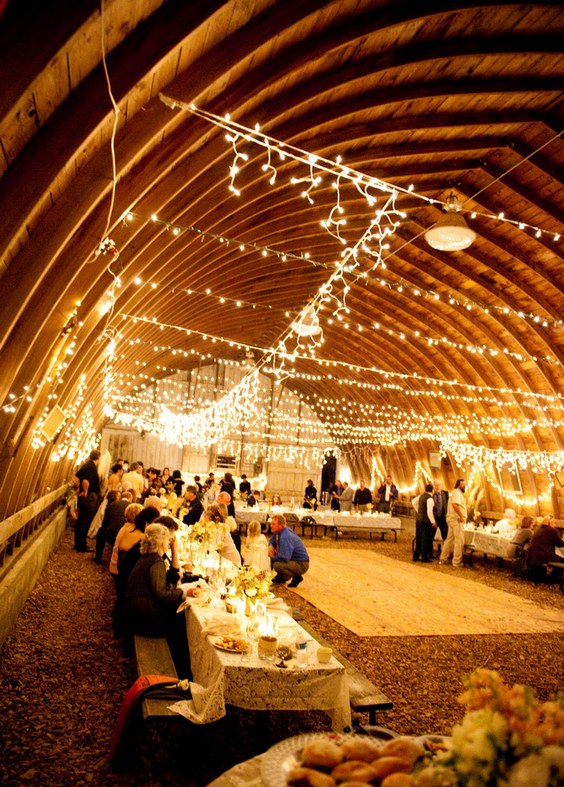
(248,514)
(365,521)
(245,681)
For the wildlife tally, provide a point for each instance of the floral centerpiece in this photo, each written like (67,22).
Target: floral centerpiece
(507,738)
(251,584)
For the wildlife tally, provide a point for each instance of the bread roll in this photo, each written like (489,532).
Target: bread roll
(307,777)
(403,747)
(322,753)
(397,780)
(361,748)
(354,770)
(386,765)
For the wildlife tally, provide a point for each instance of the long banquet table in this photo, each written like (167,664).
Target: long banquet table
(222,678)
(331,521)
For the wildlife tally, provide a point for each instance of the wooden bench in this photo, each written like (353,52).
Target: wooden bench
(364,696)
(557,570)
(153,658)
(370,528)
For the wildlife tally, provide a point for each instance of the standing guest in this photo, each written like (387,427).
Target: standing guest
(88,483)
(543,544)
(209,480)
(198,485)
(336,492)
(289,556)
(195,507)
(388,493)
(346,497)
(425,525)
(211,493)
(310,496)
(114,478)
(228,485)
(150,605)
(255,548)
(114,516)
(134,481)
(179,483)
(456,519)
(362,498)
(522,538)
(101,535)
(245,486)
(440,499)
(153,485)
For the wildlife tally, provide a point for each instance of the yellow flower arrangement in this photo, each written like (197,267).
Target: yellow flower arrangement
(252,583)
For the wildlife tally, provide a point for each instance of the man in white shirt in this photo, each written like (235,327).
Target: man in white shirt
(134,481)
(425,525)
(456,519)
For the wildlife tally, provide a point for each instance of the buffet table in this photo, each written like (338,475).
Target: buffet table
(223,678)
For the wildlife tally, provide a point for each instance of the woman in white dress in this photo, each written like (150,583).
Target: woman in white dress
(255,548)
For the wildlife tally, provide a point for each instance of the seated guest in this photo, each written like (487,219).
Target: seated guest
(276,500)
(521,537)
(289,556)
(217,513)
(545,540)
(126,540)
(227,499)
(195,507)
(253,499)
(506,526)
(170,557)
(150,604)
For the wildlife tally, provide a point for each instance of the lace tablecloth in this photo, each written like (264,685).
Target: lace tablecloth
(245,681)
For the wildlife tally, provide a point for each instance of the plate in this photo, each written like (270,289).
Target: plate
(231,644)
(285,755)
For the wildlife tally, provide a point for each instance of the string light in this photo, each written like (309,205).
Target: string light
(400,286)
(362,181)
(554,399)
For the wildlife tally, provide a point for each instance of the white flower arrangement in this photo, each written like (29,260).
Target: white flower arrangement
(507,738)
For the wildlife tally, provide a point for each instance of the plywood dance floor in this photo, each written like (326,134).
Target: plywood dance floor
(376,596)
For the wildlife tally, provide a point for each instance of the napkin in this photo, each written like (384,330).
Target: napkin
(276,605)
(222,624)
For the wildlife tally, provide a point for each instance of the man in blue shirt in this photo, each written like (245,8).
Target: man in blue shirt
(289,556)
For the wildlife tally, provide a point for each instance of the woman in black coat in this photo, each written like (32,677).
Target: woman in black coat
(150,603)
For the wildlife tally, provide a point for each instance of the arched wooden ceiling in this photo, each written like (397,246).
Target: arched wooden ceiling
(465,98)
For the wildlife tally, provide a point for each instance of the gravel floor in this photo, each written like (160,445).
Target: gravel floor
(63,678)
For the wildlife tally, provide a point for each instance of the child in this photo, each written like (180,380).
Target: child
(255,549)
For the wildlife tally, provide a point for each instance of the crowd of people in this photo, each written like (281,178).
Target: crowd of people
(138,514)
(532,540)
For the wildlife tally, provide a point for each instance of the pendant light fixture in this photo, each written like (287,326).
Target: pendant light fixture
(451,232)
